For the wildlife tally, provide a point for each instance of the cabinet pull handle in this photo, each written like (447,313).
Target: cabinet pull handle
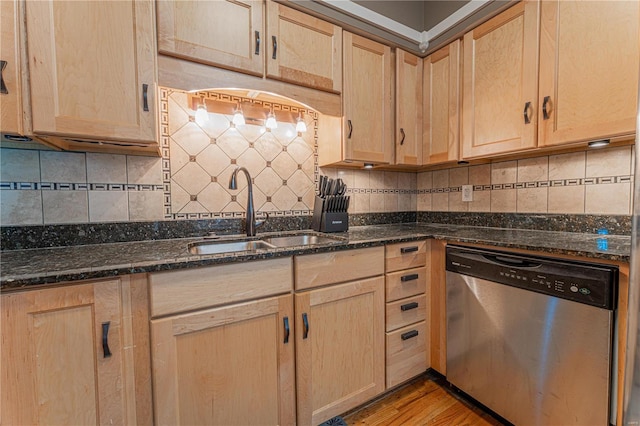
(286,329)
(409,306)
(305,323)
(403,136)
(545,111)
(257,37)
(527,119)
(409,334)
(410,277)
(3,87)
(404,250)
(274,42)
(105,339)
(145,99)
(350,129)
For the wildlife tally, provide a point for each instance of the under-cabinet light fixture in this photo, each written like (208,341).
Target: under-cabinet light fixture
(271,122)
(599,143)
(368,165)
(202,115)
(301,126)
(238,116)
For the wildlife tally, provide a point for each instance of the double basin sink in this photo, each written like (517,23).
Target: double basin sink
(258,244)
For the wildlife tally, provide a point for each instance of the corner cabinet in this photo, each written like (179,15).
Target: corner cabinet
(589,56)
(408,131)
(441,105)
(367,98)
(89,82)
(500,83)
(68,355)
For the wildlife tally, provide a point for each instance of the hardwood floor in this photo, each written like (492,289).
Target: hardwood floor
(425,401)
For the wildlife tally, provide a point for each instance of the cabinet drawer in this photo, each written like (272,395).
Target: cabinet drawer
(406,311)
(410,282)
(185,290)
(405,255)
(406,353)
(314,270)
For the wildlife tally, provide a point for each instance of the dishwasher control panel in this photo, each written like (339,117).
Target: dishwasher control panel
(588,283)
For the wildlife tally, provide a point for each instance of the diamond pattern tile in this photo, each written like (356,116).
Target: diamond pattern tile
(213,197)
(213,160)
(299,183)
(299,150)
(192,178)
(216,126)
(268,146)
(268,181)
(191,138)
(284,198)
(284,165)
(232,143)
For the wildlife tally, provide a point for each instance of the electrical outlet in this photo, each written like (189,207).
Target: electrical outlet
(467,192)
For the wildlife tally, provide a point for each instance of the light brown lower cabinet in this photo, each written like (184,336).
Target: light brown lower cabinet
(232,365)
(340,358)
(76,355)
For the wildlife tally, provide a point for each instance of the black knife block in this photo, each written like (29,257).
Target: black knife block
(324,221)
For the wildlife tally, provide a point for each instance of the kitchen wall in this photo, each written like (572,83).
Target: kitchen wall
(597,181)
(190,181)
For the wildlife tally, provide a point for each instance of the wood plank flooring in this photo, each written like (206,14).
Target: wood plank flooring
(424,401)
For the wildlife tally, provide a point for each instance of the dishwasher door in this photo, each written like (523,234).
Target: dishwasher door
(532,358)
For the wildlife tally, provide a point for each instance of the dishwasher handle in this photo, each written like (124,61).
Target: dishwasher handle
(510,261)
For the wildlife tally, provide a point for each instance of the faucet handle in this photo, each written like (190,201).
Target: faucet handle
(260,223)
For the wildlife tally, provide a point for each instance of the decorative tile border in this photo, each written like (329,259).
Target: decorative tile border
(66,186)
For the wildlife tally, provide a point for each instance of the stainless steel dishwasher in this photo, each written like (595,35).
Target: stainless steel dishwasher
(531,337)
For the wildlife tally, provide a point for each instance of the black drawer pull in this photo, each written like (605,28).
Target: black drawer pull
(274,42)
(404,250)
(3,87)
(286,329)
(409,334)
(409,306)
(105,339)
(257,38)
(410,277)
(545,107)
(305,324)
(350,129)
(527,119)
(145,100)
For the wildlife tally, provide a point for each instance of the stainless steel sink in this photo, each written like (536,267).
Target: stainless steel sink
(215,247)
(301,240)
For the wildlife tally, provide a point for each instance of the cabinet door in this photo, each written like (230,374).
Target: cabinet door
(227,366)
(10,96)
(226,33)
(588,70)
(441,138)
(55,369)
(303,49)
(368,132)
(340,348)
(500,83)
(408,109)
(89,80)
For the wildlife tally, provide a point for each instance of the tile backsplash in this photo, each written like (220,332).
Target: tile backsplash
(190,180)
(591,182)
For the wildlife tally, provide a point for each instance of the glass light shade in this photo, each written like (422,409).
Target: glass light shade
(202,116)
(301,127)
(271,122)
(238,118)
(368,166)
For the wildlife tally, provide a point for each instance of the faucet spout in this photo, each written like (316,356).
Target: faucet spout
(251,213)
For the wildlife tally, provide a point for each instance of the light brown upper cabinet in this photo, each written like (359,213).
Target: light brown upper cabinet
(303,50)
(408,129)
(229,34)
(500,83)
(88,80)
(367,98)
(588,70)
(441,105)
(224,33)
(10,69)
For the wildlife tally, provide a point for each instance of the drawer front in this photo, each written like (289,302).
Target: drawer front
(406,353)
(405,255)
(402,284)
(189,289)
(314,270)
(406,311)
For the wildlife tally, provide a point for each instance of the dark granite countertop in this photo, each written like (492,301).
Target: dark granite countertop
(25,268)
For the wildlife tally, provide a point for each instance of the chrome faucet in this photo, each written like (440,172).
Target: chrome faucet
(251,213)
